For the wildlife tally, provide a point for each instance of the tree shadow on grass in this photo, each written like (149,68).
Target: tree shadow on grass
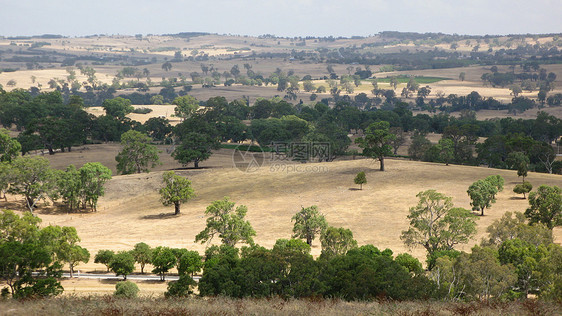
(150,281)
(110,281)
(13,205)
(160,216)
(517,198)
(59,209)
(355,189)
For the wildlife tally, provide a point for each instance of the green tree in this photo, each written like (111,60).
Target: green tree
(412,85)
(167,66)
(481,275)
(142,254)
(525,257)
(291,246)
(496,181)
(183,287)
(122,263)
(446,150)
(545,206)
(482,194)
(462,76)
(515,90)
(308,86)
(82,187)
(420,145)
(158,128)
(93,176)
(69,187)
(117,107)
(190,263)
(523,188)
(176,190)
(360,179)
(228,223)
(26,263)
(195,147)
(157,99)
(393,83)
(73,255)
(6,178)
(104,256)
(63,243)
(509,227)
(137,155)
(520,162)
(163,259)
(309,223)
(185,106)
(337,241)
(550,272)
(436,225)
(376,143)
(9,147)
(33,178)
(413,265)
(198,138)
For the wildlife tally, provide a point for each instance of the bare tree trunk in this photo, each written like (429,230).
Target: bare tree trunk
(382,163)
(177,208)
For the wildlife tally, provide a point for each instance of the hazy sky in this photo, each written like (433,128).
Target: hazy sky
(278,17)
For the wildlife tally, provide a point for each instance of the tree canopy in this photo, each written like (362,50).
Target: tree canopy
(436,225)
(227,223)
(137,155)
(176,190)
(545,206)
(376,143)
(309,223)
(482,194)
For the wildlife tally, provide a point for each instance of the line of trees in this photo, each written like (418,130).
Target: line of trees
(206,124)
(33,178)
(518,258)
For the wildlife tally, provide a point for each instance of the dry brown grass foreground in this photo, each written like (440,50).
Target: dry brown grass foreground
(107,305)
(131,212)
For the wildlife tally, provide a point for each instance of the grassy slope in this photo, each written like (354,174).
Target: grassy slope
(131,211)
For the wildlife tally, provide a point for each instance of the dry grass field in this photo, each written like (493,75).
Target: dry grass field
(107,305)
(130,212)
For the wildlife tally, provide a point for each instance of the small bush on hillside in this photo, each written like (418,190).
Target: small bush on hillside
(142,110)
(126,289)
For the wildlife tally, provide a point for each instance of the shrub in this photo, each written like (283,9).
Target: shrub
(142,110)
(126,289)
(181,288)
